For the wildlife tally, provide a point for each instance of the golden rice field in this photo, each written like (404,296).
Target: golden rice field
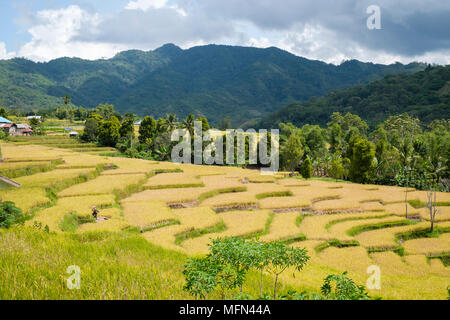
(344,226)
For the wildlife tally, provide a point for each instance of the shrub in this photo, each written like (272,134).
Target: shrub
(9,214)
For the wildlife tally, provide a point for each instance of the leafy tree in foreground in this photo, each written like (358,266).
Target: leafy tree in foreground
(344,288)
(234,253)
(282,257)
(200,275)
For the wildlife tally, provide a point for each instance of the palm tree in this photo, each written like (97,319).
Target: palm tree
(171,122)
(163,153)
(188,123)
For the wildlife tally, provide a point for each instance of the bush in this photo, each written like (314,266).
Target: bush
(306,169)
(9,214)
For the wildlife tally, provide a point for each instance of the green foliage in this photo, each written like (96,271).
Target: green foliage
(108,133)
(92,127)
(69,223)
(257,81)
(9,214)
(147,130)
(306,169)
(201,276)
(344,288)
(421,95)
(35,124)
(337,170)
(292,153)
(230,259)
(3,112)
(127,128)
(362,167)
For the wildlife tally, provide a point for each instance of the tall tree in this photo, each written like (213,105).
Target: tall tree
(147,130)
(292,153)
(362,166)
(108,134)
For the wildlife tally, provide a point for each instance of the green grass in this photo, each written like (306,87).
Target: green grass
(360,229)
(175,186)
(214,193)
(336,243)
(33,265)
(398,250)
(332,223)
(417,204)
(274,194)
(291,240)
(72,221)
(256,235)
(423,233)
(159,225)
(30,169)
(69,223)
(444,257)
(220,227)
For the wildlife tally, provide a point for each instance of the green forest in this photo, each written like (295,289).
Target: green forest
(425,94)
(213,81)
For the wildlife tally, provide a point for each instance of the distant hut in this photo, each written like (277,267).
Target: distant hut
(73,134)
(23,130)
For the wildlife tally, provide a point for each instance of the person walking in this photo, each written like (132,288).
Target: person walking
(94,212)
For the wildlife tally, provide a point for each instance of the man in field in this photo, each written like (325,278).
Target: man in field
(94,212)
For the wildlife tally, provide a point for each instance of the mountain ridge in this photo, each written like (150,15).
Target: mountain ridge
(215,81)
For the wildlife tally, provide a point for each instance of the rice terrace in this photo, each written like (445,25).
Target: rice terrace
(154,215)
(225,159)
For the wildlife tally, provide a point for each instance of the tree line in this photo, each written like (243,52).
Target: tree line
(400,151)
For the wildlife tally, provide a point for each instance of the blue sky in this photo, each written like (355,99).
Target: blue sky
(327,30)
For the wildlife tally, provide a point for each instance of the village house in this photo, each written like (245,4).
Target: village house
(15,129)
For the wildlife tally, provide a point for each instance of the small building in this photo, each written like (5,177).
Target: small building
(10,128)
(73,134)
(4,121)
(35,117)
(23,130)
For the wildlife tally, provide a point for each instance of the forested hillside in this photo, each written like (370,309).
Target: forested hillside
(212,81)
(425,95)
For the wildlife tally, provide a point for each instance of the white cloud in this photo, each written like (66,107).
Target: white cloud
(146,4)
(53,36)
(4,54)
(327,30)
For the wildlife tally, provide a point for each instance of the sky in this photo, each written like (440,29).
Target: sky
(379,31)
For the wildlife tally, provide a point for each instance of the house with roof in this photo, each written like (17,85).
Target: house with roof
(4,121)
(23,130)
(13,129)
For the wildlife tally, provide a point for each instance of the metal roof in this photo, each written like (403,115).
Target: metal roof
(4,120)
